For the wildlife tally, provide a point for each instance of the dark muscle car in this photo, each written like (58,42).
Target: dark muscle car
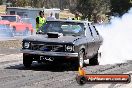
(63,41)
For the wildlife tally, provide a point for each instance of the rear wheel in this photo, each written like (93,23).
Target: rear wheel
(94,60)
(27,60)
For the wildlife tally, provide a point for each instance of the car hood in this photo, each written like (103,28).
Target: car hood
(44,38)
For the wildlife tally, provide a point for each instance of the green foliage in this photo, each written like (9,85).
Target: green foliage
(43,3)
(91,8)
(1,2)
(21,3)
(120,6)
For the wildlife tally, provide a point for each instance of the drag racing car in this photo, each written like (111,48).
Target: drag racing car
(63,41)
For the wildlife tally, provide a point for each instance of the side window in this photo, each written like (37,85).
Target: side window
(12,12)
(90,29)
(94,31)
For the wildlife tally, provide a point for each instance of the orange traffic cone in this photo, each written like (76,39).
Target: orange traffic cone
(81,71)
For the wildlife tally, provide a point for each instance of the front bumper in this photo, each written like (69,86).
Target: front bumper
(49,53)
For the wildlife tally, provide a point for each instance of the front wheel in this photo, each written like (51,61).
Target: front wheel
(27,60)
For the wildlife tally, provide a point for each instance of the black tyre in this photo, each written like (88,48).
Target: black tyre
(27,60)
(94,60)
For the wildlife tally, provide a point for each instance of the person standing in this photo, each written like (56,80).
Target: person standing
(51,17)
(40,20)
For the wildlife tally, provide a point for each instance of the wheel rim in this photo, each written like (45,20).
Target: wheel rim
(81,60)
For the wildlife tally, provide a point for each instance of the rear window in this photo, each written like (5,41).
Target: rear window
(9,18)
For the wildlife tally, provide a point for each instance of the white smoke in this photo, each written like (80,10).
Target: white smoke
(117,45)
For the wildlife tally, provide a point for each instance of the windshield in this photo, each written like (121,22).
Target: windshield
(9,18)
(66,28)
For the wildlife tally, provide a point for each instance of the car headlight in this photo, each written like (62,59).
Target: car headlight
(26,45)
(69,48)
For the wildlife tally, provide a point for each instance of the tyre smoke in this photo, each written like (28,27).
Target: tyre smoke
(117,45)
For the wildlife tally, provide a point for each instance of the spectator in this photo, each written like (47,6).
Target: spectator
(51,17)
(40,20)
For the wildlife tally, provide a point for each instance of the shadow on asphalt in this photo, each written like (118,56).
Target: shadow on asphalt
(68,67)
(45,67)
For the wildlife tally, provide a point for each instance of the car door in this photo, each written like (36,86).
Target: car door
(90,42)
(96,39)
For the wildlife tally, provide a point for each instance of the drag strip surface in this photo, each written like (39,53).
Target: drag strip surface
(14,75)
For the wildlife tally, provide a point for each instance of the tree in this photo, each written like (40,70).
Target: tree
(120,7)
(1,2)
(91,8)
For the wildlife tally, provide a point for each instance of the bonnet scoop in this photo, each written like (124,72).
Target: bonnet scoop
(54,34)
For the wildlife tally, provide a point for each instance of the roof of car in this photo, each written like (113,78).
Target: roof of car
(9,15)
(77,21)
